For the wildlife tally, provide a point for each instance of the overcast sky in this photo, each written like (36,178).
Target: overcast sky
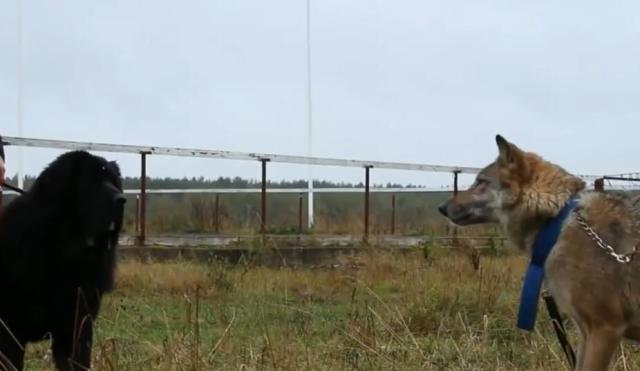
(415,81)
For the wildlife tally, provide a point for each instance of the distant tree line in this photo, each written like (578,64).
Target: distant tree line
(237,182)
(335,213)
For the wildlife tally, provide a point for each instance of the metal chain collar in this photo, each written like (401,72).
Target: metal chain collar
(620,258)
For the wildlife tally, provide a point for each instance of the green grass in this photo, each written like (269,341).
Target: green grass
(388,312)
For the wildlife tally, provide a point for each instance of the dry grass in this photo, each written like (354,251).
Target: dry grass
(380,312)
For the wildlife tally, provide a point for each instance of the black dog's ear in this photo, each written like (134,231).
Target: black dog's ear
(116,168)
(56,180)
(54,183)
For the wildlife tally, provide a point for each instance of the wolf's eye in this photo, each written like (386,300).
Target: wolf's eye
(481,184)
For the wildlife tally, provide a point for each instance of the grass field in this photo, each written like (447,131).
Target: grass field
(377,312)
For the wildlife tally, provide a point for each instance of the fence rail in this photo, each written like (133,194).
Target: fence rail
(230,155)
(289,190)
(264,158)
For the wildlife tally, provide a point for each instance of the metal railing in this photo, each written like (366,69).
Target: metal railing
(264,158)
(230,155)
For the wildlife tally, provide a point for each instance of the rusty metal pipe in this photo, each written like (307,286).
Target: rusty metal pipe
(137,217)
(455,192)
(366,204)
(263,201)
(143,199)
(300,199)
(455,182)
(217,214)
(393,214)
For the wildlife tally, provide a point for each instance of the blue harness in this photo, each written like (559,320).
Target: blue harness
(545,240)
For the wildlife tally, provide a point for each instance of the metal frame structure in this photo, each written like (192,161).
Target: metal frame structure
(263,158)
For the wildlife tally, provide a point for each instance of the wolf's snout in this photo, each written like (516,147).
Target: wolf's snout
(443,209)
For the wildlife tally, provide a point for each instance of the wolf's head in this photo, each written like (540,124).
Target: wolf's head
(517,185)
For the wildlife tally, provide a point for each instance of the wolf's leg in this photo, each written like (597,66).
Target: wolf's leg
(599,347)
(581,352)
(582,346)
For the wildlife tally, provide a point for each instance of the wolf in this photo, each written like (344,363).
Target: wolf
(596,286)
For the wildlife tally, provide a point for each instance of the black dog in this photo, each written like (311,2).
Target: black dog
(57,258)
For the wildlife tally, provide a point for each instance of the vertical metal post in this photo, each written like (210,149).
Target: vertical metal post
(310,202)
(455,182)
(263,201)
(217,214)
(455,192)
(366,204)
(599,185)
(310,214)
(393,214)
(19,92)
(137,220)
(300,199)
(143,199)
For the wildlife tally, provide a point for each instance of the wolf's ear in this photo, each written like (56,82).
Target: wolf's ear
(508,153)
(511,158)
(504,148)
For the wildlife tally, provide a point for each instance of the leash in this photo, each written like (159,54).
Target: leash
(558,326)
(12,187)
(620,258)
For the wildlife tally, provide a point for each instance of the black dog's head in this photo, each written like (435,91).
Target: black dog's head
(87,189)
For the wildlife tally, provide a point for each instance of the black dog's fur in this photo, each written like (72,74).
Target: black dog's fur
(57,258)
